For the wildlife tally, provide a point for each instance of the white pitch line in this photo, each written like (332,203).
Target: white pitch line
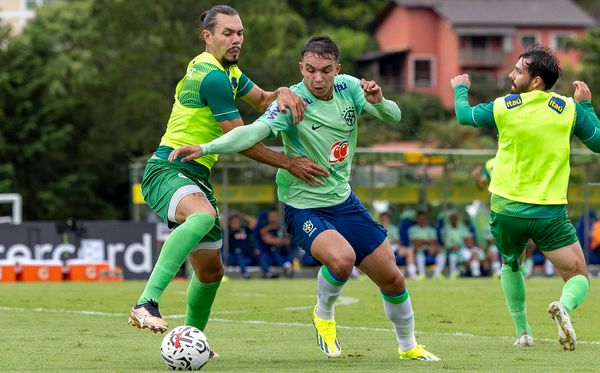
(274,323)
(342,301)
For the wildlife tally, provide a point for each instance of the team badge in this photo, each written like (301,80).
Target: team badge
(349,116)
(308,227)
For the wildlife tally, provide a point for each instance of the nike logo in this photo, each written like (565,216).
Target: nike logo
(316,127)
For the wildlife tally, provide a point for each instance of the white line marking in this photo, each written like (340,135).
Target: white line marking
(342,301)
(274,323)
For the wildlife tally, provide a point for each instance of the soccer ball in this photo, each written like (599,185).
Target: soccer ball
(185,348)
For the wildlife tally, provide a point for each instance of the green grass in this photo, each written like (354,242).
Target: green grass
(265,326)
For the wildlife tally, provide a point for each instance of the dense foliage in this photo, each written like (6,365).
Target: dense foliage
(88,85)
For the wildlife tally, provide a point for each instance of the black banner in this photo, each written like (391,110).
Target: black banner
(131,246)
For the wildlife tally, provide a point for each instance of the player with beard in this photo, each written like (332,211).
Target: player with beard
(181,193)
(531,177)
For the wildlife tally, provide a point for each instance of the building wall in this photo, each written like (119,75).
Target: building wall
(429,36)
(17,13)
(448,62)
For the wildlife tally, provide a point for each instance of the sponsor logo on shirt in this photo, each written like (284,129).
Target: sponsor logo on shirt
(338,151)
(512,101)
(557,104)
(272,114)
(340,87)
(182,175)
(308,227)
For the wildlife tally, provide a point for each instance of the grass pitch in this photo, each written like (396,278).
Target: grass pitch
(265,326)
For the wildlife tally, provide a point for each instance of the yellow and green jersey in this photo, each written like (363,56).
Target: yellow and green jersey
(531,171)
(204,97)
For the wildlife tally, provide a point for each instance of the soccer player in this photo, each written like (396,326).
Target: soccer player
(328,219)
(181,193)
(530,180)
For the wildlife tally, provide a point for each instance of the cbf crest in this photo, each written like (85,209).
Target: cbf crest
(349,116)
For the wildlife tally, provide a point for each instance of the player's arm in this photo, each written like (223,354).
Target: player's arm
(261,99)
(481,115)
(587,125)
(377,105)
(225,112)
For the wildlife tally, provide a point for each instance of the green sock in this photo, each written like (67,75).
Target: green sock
(200,298)
(574,292)
(176,249)
(513,286)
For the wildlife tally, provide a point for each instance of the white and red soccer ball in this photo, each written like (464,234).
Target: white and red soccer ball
(185,348)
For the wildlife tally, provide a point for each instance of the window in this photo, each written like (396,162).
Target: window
(560,41)
(30,4)
(423,72)
(528,39)
(507,44)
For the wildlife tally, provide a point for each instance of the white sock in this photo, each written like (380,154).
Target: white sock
(402,317)
(496,266)
(420,257)
(452,261)
(548,268)
(475,268)
(529,267)
(328,290)
(440,263)
(412,270)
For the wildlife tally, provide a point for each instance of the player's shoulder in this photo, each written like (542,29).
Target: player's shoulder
(344,82)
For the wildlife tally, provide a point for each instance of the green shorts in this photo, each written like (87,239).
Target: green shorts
(512,233)
(164,184)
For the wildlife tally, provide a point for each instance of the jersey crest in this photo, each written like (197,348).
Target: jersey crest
(349,116)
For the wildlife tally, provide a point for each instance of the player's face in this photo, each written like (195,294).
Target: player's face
(520,78)
(318,74)
(225,43)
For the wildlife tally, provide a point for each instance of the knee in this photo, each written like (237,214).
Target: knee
(341,267)
(393,284)
(212,274)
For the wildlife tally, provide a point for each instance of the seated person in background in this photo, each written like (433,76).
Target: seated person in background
(471,255)
(423,239)
(400,252)
(453,233)
(492,265)
(241,245)
(277,245)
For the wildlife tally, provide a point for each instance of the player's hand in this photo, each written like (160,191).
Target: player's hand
(372,91)
(582,91)
(461,79)
(307,171)
(288,99)
(189,151)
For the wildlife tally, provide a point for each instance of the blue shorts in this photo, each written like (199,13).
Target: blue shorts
(351,219)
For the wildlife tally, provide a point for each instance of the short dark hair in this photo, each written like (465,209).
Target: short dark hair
(208,19)
(322,46)
(541,61)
